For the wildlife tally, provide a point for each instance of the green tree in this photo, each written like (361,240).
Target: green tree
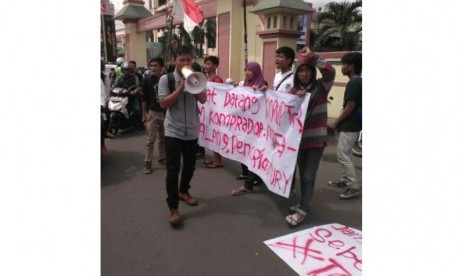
(207,30)
(340,24)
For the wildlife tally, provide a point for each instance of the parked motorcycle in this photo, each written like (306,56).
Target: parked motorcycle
(121,115)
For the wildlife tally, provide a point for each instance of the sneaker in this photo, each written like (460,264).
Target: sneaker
(148,167)
(241,177)
(350,193)
(296,218)
(174,217)
(338,183)
(188,199)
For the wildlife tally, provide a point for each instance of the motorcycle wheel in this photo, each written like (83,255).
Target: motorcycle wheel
(114,124)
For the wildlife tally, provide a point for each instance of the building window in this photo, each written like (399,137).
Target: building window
(275,22)
(284,22)
(268,23)
(291,24)
(161,2)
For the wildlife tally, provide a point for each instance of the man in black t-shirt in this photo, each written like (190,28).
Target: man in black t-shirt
(153,114)
(349,125)
(134,71)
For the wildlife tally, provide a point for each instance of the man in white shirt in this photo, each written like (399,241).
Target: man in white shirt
(284,80)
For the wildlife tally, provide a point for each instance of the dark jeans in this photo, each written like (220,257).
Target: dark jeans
(245,169)
(135,111)
(251,178)
(102,130)
(175,148)
(103,125)
(308,161)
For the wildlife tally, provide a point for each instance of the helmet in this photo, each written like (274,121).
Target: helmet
(119,61)
(125,66)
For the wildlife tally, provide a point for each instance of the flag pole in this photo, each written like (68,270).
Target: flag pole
(169,21)
(245,33)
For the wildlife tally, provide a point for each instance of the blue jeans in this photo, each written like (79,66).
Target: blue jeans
(308,161)
(175,149)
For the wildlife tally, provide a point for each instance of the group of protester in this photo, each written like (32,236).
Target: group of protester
(172,115)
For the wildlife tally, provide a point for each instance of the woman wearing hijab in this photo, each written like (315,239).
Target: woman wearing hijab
(314,133)
(253,78)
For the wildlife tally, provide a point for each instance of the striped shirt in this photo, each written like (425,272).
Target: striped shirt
(316,120)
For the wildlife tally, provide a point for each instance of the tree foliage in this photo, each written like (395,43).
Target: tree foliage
(340,25)
(196,39)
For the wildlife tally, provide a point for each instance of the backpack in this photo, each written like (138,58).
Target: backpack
(171,83)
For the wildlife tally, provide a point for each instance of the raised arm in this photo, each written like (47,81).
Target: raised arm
(326,69)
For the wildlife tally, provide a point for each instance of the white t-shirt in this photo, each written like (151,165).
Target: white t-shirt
(286,85)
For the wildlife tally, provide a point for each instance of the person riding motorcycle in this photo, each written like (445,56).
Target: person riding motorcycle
(131,82)
(117,70)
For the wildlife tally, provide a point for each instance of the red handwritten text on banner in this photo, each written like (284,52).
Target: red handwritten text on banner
(259,129)
(331,249)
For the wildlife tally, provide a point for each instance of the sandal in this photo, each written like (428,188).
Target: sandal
(240,191)
(214,165)
(295,207)
(297,217)
(206,162)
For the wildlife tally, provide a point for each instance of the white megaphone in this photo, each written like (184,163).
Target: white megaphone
(196,82)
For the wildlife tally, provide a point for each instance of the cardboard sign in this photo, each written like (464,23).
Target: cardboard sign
(259,129)
(331,249)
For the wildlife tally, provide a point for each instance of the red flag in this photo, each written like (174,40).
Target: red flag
(189,12)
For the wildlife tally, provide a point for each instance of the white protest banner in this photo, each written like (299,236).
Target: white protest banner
(259,129)
(331,249)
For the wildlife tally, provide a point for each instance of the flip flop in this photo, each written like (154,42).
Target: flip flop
(214,165)
(240,191)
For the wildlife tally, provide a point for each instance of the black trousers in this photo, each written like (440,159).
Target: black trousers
(175,150)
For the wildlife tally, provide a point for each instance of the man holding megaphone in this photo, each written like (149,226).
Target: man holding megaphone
(182,125)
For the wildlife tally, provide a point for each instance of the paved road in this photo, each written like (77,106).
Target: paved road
(223,235)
